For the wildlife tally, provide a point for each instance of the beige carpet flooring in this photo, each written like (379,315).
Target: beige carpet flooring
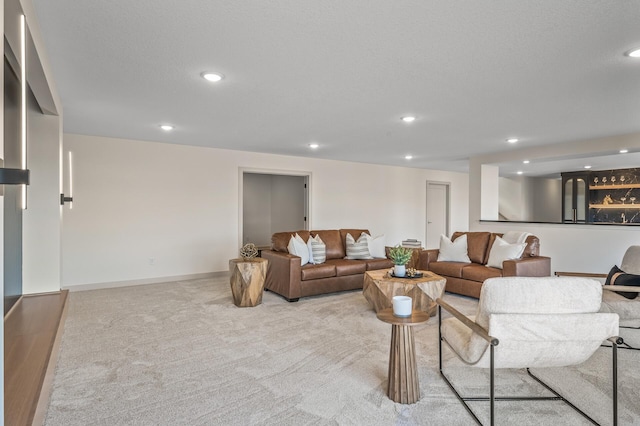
(181,353)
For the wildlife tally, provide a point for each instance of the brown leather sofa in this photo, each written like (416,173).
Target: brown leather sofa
(467,278)
(287,278)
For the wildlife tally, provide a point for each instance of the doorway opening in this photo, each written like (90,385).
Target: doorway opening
(270,202)
(438,212)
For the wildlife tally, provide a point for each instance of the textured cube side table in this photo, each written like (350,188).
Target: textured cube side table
(247,281)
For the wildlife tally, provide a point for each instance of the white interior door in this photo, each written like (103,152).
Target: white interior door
(437,213)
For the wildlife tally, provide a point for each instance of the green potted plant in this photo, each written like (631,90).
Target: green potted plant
(400,256)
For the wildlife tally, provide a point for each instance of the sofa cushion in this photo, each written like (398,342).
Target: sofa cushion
(333,242)
(375,264)
(502,250)
(477,245)
(313,272)
(317,250)
(376,246)
(618,277)
(357,249)
(348,267)
(354,232)
(448,269)
(298,247)
(280,240)
(475,272)
(453,251)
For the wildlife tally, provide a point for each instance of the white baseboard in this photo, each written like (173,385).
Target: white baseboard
(158,280)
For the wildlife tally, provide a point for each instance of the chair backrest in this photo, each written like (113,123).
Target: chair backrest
(631,261)
(542,321)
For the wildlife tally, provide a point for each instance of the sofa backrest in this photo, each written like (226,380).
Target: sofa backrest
(479,245)
(334,239)
(280,240)
(331,239)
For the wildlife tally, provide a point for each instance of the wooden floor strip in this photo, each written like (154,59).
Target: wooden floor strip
(30,332)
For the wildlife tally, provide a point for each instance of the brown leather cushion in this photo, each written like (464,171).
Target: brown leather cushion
(331,238)
(355,233)
(348,267)
(480,273)
(280,240)
(374,264)
(477,245)
(448,269)
(312,272)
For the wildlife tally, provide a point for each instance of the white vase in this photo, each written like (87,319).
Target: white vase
(399,270)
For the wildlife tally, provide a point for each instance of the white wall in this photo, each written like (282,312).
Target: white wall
(177,204)
(41,232)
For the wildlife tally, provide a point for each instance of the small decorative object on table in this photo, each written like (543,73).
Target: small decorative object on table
(249,251)
(400,256)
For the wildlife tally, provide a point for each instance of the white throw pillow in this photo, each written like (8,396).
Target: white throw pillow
(502,250)
(357,249)
(376,246)
(317,250)
(298,247)
(455,251)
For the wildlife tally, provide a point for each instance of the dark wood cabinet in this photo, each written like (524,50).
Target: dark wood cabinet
(575,202)
(602,196)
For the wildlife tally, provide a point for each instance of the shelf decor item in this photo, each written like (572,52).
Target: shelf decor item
(400,257)
(249,251)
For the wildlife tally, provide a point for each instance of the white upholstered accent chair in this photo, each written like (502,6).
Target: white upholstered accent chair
(627,309)
(524,322)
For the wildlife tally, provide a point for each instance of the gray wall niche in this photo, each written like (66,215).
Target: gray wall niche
(272,203)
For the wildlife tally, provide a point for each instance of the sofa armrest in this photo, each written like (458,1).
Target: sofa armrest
(536,266)
(426,257)
(283,274)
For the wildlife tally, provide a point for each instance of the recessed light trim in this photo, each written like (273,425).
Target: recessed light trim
(520,172)
(167,127)
(408,157)
(213,77)
(526,162)
(634,53)
(408,118)
(587,166)
(314,145)
(624,151)
(512,140)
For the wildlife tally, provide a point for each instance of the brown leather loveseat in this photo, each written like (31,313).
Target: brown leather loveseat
(287,278)
(467,278)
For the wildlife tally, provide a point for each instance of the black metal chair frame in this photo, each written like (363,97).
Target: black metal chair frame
(493,342)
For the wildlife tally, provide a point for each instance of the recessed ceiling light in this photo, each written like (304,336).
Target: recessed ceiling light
(520,172)
(587,167)
(525,162)
(624,151)
(212,76)
(313,145)
(166,127)
(512,140)
(408,157)
(635,53)
(409,119)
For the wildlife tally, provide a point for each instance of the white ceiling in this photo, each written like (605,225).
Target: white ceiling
(342,73)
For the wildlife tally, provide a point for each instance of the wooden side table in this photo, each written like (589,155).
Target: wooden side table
(247,281)
(403,384)
(379,288)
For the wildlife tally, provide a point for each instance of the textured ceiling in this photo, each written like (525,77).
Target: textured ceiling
(342,73)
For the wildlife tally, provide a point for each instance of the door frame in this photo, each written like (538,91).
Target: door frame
(276,172)
(447,186)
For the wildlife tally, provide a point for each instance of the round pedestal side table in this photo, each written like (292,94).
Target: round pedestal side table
(403,384)
(247,281)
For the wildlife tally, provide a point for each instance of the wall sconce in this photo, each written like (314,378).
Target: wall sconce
(69,199)
(12,176)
